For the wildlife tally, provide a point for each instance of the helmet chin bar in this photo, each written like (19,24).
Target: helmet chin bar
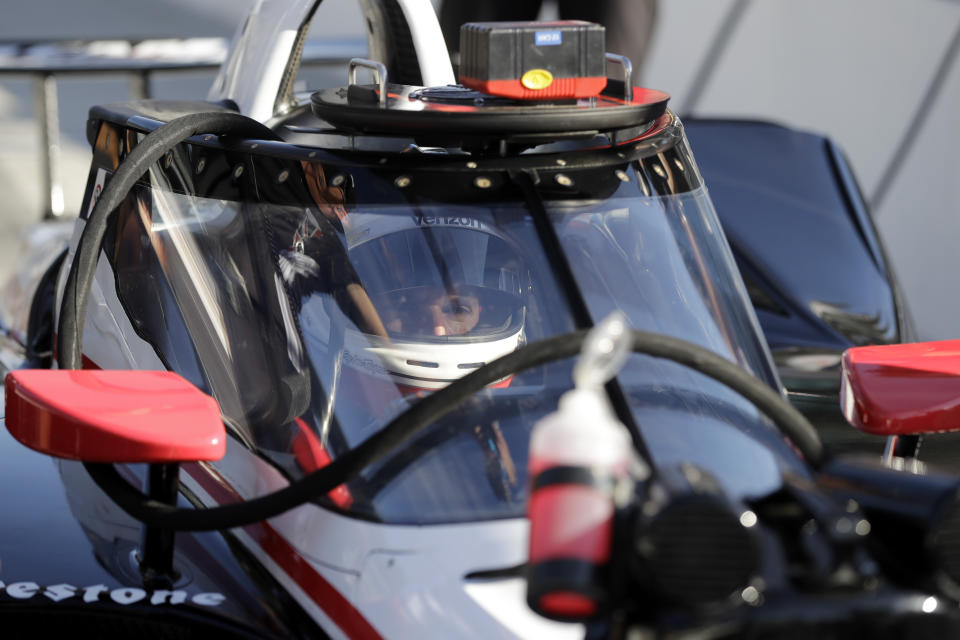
(429,366)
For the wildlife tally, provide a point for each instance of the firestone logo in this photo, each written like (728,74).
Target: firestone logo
(100,592)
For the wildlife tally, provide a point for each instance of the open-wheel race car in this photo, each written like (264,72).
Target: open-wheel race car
(305,359)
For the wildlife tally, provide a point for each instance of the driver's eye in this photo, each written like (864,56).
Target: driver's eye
(455,307)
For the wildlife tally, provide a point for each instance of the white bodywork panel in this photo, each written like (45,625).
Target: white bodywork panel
(259,55)
(435,67)
(263,50)
(407,581)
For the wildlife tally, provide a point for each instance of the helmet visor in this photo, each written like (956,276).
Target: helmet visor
(443,283)
(436,314)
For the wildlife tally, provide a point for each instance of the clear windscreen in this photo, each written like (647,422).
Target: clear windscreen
(315,326)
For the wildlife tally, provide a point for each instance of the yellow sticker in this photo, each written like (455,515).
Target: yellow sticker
(537,79)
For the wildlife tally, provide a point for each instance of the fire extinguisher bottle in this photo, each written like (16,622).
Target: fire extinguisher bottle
(579,455)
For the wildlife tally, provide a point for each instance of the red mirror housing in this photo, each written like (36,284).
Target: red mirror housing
(902,389)
(113,416)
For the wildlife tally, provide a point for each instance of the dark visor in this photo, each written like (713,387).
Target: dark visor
(468,313)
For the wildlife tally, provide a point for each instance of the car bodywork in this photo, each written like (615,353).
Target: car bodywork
(329,567)
(788,198)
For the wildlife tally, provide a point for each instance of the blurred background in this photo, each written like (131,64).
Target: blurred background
(878,76)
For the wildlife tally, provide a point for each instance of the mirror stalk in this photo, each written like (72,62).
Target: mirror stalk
(157,544)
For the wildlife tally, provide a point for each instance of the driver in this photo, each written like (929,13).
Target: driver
(448,289)
(451,292)
(423,296)
(397,301)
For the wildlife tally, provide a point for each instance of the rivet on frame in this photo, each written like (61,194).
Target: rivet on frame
(482,182)
(337,180)
(657,169)
(312,154)
(254,145)
(620,173)
(282,176)
(563,180)
(561,162)
(402,181)
(238,171)
(471,165)
(208,138)
(678,164)
(201,165)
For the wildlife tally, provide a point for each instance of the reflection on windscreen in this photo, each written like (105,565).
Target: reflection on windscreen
(663,262)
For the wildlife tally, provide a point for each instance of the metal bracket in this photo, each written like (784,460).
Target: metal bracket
(157,544)
(379,71)
(45,92)
(627,78)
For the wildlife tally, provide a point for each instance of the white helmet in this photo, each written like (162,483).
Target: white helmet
(448,289)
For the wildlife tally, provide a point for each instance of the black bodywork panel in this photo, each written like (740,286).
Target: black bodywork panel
(805,243)
(67,565)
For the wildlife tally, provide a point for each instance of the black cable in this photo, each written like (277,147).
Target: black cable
(83,268)
(149,150)
(567,279)
(790,421)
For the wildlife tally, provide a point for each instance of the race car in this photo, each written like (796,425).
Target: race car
(290,363)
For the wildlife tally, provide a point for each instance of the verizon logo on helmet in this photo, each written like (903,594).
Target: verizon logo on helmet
(449,221)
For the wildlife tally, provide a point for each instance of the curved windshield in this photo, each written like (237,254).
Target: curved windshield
(664,263)
(316,325)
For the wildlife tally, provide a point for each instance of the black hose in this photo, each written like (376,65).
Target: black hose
(563,272)
(426,411)
(149,150)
